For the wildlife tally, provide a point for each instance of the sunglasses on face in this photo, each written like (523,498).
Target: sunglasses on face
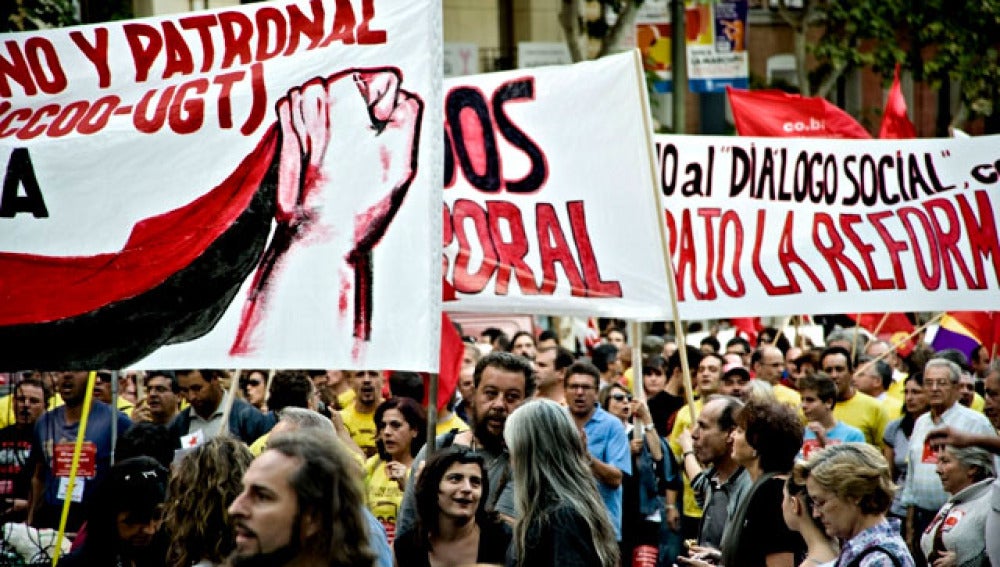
(254,383)
(621,397)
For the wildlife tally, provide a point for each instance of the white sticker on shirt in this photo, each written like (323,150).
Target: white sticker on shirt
(77,489)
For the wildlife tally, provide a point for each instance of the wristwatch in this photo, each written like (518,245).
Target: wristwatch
(649,427)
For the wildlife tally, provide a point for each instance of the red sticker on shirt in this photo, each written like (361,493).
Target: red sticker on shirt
(930,454)
(808,446)
(952,520)
(62,460)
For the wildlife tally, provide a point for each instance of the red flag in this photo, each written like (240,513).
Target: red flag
(748,327)
(779,114)
(893,327)
(448,292)
(592,338)
(895,123)
(450,365)
(884,324)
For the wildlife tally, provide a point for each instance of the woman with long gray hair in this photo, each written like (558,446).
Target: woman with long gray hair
(563,520)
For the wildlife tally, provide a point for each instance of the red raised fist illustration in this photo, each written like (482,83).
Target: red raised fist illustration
(347,143)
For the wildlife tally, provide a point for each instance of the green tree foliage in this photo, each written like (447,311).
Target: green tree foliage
(26,15)
(938,41)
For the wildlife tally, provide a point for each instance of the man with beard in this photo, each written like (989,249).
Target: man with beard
(603,434)
(503,382)
(359,417)
(203,419)
(52,451)
(30,397)
(162,401)
(302,504)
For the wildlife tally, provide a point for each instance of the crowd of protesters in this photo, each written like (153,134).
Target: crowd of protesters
(782,455)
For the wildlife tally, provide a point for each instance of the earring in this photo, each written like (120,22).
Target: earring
(754,453)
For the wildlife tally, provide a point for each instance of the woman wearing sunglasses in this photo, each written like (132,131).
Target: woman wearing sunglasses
(644,492)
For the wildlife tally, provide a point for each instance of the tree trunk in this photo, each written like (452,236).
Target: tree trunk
(625,19)
(569,20)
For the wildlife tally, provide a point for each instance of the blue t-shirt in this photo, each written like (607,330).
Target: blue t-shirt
(608,443)
(51,429)
(841,433)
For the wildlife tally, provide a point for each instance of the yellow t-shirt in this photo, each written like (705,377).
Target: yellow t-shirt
(892,407)
(383,495)
(788,396)
(453,422)
(346,398)
(124,406)
(897,390)
(260,445)
(361,427)
(865,413)
(978,403)
(682,421)
(627,378)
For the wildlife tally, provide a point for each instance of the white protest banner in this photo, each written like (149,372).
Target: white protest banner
(550,203)
(774,226)
(255,186)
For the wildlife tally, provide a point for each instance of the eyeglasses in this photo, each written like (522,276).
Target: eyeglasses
(621,397)
(937,383)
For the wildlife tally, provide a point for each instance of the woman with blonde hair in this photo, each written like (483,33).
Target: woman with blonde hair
(563,520)
(851,488)
(202,487)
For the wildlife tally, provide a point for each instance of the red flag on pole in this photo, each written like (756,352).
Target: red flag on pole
(895,123)
(748,328)
(884,324)
(779,114)
(452,351)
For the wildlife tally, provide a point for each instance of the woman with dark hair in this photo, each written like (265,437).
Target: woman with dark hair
(400,425)
(253,386)
(766,439)
(201,488)
(896,439)
(453,526)
(562,520)
(123,527)
(800,516)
